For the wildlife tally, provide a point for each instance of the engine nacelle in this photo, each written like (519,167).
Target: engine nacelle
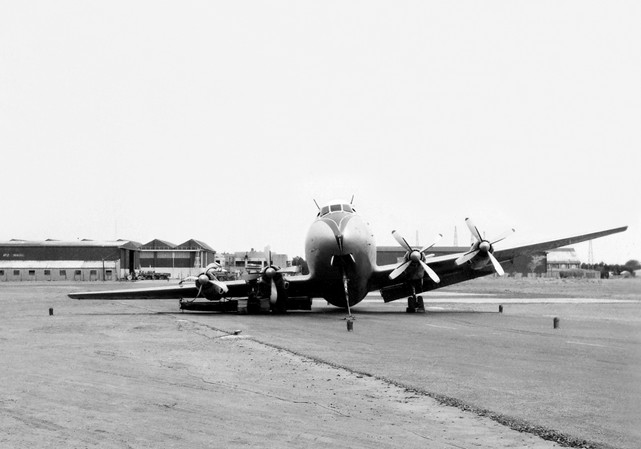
(479,262)
(212,289)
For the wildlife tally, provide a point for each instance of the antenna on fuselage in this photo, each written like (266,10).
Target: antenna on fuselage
(352,200)
(316,204)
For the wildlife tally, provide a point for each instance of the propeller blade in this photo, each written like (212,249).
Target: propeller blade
(503,236)
(465,257)
(398,270)
(211,266)
(401,241)
(436,240)
(473,229)
(188,278)
(497,265)
(221,287)
(273,296)
(433,276)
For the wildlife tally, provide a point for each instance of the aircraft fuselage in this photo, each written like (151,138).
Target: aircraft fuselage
(340,246)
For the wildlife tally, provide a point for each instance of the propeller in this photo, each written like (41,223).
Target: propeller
(414,257)
(270,273)
(483,247)
(273,275)
(207,281)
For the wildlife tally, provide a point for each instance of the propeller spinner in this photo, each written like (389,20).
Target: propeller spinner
(483,247)
(414,257)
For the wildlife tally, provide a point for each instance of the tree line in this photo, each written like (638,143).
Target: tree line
(630,266)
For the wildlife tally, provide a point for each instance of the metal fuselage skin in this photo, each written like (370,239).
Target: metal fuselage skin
(339,246)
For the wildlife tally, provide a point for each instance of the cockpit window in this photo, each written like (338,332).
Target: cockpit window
(336,208)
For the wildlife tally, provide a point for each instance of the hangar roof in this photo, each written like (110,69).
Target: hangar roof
(195,244)
(56,264)
(124,244)
(159,244)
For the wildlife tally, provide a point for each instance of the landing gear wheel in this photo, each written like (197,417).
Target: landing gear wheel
(253,304)
(420,305)
(280,307)
(411,305)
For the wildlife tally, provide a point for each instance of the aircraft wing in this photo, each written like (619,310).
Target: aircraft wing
(510,253)
(298,286)
(450,273)
(236,288)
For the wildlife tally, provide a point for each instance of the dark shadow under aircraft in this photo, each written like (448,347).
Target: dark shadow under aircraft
(341,255)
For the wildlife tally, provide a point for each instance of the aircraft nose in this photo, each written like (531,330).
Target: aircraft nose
(329,236)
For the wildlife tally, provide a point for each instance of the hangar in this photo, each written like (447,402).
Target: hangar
(179,261)
(55,260)
(98,260)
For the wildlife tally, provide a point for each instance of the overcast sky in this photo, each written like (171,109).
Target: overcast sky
(223,121)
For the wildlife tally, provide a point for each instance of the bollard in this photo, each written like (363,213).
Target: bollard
(350,325)
(556,322)
(500,308)
(50,311)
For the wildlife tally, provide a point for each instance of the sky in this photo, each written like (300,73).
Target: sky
(224,121)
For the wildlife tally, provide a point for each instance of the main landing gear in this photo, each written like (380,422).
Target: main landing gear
(415,303)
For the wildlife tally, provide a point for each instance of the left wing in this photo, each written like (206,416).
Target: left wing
(451,273)
(235,288)
(296,286)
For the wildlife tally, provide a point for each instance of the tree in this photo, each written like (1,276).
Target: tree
(535,262)
(300,262)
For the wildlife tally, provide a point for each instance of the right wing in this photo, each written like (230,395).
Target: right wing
(451,273)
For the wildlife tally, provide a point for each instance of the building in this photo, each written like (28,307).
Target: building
(253,261)
(562,259)
(179,261)
(81,260)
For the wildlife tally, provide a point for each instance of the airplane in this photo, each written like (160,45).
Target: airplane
(340,251)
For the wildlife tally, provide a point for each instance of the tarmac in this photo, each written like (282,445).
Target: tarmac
(143,374)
